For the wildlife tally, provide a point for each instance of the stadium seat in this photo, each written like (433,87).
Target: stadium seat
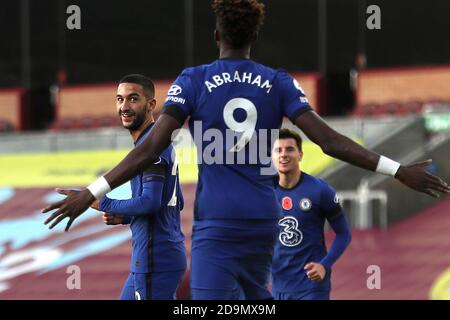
(6,126)
(87,122)
(366,109)
(65,124)
(435,101)
(389,108)
(393,108)
(84,122)
(108,121)
(413,107)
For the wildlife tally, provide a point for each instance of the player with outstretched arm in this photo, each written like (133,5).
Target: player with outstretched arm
(236,210)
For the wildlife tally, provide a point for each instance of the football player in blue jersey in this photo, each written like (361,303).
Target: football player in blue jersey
(232,104)
(158,258)
(301,268)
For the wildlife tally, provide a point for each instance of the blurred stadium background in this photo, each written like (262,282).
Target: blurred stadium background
(388,89)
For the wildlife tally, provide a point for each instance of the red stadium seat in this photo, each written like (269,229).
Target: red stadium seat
(389,108)
(109,121)
(6,126)
(85,122)
(413,107)
(366,109)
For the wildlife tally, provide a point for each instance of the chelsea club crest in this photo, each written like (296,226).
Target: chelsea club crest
(305,204)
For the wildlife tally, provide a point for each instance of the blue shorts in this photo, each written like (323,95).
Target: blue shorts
(152,286)
(302,295)
(232,262)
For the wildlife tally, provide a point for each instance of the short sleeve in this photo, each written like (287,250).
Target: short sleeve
(181,93)
(293,99)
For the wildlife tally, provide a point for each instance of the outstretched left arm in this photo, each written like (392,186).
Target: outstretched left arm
(339,146)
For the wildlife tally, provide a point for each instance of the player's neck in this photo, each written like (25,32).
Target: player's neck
(135,134)
(226,52)
(290,179)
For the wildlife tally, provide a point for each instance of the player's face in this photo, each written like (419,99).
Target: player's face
(286,155)
(132,105)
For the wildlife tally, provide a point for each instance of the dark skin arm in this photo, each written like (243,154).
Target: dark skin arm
(335,144)
(137,161)
(331,142)
(338,146)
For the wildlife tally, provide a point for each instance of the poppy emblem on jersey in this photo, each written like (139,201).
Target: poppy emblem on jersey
(286,203)
(174,90)
(305,204)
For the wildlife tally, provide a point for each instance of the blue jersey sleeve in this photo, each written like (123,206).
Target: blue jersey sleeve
(293,99)
(343,238)
(182,93)
(149,202)
(333,212)
(329,201)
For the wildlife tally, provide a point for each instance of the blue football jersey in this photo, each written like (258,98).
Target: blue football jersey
(301,233)
(157,239)
(233,105)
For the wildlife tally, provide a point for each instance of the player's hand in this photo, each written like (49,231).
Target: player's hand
(416,177)
(96,205)
(76,202)
(112,219)
(316,271)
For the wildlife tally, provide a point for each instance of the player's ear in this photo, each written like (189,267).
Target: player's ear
(301,156)
(151,104)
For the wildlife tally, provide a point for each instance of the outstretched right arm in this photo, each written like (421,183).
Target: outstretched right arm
(135,162)
(146,153)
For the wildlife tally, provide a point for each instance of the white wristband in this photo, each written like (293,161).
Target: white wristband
(387,166)
(99,188)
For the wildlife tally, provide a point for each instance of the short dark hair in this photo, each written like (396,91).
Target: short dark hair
(238,21)
(290,134)
(145,82)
